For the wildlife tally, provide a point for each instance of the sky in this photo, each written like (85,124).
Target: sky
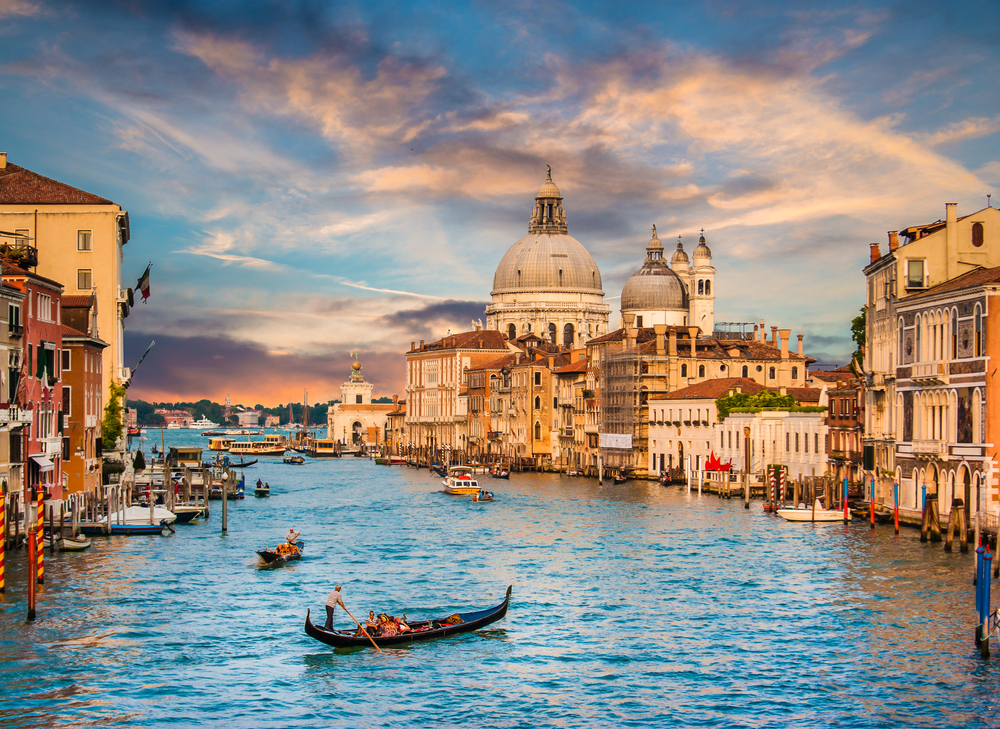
(315,178)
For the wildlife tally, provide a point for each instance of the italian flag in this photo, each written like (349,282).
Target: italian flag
(143,285)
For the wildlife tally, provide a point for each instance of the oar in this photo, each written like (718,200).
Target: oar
(362,629)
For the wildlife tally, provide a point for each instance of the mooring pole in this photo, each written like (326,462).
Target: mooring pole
(746,467)
(871,507)
(895,504)
(984,646)
(847,514)
(40,536)
(32,548)
(980,551)
(225,501)
(3,535)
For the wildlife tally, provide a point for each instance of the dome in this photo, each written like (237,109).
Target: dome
(548,188)
(545,262)
(679,255)
(654,288)
(702,251)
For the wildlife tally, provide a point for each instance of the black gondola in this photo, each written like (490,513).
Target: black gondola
(271,556)
(422,629)
(501,474)
(620,478)
(242,463)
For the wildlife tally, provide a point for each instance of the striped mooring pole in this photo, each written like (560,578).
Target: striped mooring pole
(3,535)
(40,535)
(847,514)
(871,505)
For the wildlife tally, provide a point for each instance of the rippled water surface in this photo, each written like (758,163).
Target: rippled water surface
(632,605)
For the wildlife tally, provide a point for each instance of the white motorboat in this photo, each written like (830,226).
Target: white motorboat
(173,426)
(815,514)
(203,424)
(460,481)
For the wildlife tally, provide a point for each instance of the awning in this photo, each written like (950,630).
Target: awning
(44,464)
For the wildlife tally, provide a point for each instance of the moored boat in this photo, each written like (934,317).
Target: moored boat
(255,448)
(815,514)
(460,481)
(420,629)
(72,544)
(133,520)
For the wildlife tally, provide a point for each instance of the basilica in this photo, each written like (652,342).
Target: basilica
(548,284)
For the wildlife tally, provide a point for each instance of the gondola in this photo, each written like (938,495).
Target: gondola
(501,474)
(620,478)
(421,629)
(272,556)
(243,463)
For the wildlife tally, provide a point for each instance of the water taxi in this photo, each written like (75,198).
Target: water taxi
(219,444)
(255,448)
(325,448)
(274,439)
(460,481)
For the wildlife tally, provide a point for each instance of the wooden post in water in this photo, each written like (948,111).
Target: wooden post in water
(17,522)
(746,465)
(62,520)
(75,524)
(40,535)
(31,572)
(107,522)
(225,501)
(3,535)
(956,522)
(52,531)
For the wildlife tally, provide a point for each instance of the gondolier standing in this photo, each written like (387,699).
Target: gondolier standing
(332,600)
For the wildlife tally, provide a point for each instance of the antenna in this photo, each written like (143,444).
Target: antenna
(988,203)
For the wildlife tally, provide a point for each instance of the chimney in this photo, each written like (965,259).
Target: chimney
(627,321)
(517,358)
(3,160)
(551,361)
(785,334)
(763,332)
(774,337)
(951,237)
(395,402)
(782,390)
(421,345)
(660,330)
(413,345)
(876,254)
(693,333)
(480,343)
(893,240)
(800,344)
(672,342)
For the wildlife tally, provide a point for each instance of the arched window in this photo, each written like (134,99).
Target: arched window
(552,333)
(684,370)
(701,370)
(538,403)
(701,286)
(511,332)
(916,341)
(538,430)
(569,336)
(954,333)
(977,234)
(979,332)
(900,347)
(795,373)
(746,371)
(770,373)
(708,287)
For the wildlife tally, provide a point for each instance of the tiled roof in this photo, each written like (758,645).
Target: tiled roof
(706,347)
(19,186)
(978,277)
(9,269)
(482,339)
(71,332)
(804,394)
(578,366)
(77,301)
(712,389)
(384,406)
(506,361)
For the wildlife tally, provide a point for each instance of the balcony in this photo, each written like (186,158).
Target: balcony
(930,449)
(20,253)
(14,415)
(15,331)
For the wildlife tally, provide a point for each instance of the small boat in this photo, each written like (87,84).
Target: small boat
(420,629)
(460,481)
(243,463)
(293,459)
(816,514)
(282,553)
(215,493)
(440,470)
(133,520)
(173,426)
(203,423)
(237,494)
(501,473)
(72,544)
(185,514)
(620,478)
(262,490)
(482,496)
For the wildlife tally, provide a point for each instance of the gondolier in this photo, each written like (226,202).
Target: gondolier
(332,600)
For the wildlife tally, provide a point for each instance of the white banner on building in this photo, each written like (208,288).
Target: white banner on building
(616,440)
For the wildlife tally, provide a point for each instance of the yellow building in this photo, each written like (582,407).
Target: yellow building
(75,238)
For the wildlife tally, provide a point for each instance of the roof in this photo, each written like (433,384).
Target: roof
(506,361)
(9,269)
(19,186)
(572,367)
(353,407)
(713,389)
(977,277)
(71,333)
(547,262)
(804,394)
(77,301)
(480,339)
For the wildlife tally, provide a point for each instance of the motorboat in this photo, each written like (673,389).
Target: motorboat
(482,496)
(185,514)
(460,481)
(262,490)
(815,514)
(173,426)
(133,520)
(203,423)
(255,448)
(299,460)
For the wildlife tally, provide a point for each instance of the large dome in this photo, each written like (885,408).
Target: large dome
(547,262)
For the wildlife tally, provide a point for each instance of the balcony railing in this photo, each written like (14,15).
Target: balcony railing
(937,448)
(15,330)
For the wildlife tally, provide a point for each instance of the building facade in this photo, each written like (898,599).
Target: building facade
(356,420)
(82,397)
(14,416)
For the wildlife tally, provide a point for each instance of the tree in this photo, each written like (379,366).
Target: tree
(858,327)
(763,399)
(111,426)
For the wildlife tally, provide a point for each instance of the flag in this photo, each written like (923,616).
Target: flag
(144,355)
(143,285)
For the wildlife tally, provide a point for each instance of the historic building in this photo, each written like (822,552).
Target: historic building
(547,283)
(14,416)
(356,420)
(82,400)
(926,302)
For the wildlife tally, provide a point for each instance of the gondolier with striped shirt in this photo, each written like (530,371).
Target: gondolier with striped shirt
(332,600)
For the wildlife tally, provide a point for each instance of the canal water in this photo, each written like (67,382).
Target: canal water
(633,605)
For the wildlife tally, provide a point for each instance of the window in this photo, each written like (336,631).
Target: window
(538,379)
(746,371)
(701,286)
(13,317)
(977,234)
(84,281)
(979,332)
(44,310)
(66,400)
(916,339)
(770,373)
(954,333)
(538,403)
(701,370)
(511,331)
(569,334)
(708,287)
(816,443)
(638,321)
(788,442)
(65,360)
(684,370)
(915,274)
(796,442)
(84,240)
(552,333)
(357,399)
(538,430)
(555,402)
(795,373)
(805,442)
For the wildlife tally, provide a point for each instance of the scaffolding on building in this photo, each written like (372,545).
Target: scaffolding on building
(621,404)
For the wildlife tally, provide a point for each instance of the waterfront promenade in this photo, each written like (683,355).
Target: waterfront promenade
(633,605)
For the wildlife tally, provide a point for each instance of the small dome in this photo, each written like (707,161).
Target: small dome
(548,189)
(679,255)
(702,251)
(654,288)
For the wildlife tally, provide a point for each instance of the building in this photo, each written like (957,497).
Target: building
(547,283)
(436,389)
(73,237)
(571,385)
(920,352)
(180,418)
(793,439)
(845,420)
(39,386)
(245,418)
(82,360)
(396,426)
(356,420)
(272,421)
(14,417)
